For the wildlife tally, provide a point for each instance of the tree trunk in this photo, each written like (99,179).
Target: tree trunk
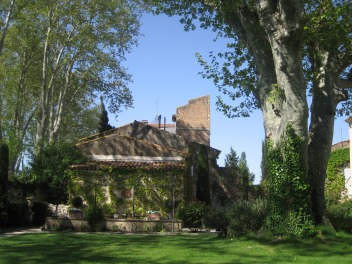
(61,104)
(283,24)
(285,112)
(274,37)
(6,25)
(326,96)
(42,118)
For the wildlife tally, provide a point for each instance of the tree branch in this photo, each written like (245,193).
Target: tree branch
(345,83)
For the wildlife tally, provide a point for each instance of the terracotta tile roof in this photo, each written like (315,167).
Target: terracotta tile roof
(340,145)
(130,165)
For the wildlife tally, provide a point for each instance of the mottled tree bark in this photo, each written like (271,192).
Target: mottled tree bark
(326,97)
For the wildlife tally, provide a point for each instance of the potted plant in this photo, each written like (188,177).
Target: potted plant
(75,212)
(153,215)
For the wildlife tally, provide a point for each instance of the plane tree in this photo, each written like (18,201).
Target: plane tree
(57,58)
(278,52)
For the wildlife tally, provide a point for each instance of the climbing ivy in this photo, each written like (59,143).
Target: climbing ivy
(288,188)
(335,180)
(153,190)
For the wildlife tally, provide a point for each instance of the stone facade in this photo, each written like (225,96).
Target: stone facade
(141,147)
(193,120)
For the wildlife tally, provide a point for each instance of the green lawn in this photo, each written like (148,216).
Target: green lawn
(193,248)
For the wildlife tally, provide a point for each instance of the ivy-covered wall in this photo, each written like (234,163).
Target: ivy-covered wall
(335,179)
(117,190)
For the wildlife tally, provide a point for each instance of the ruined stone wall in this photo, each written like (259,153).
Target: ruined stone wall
(193,120)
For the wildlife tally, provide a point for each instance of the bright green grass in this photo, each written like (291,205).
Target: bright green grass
(196,248)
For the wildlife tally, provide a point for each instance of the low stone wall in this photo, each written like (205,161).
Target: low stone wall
(60,210)
(117,225)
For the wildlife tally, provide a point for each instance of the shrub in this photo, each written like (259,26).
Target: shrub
(192,214)
(40,210)
(95,218)
(238,219)
(216,218)
(245,217)
(340,216)
(77,202)
(50,170)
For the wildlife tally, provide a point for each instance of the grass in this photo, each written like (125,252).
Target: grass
(195,248)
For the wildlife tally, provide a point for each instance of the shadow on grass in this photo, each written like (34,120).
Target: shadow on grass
(195,248)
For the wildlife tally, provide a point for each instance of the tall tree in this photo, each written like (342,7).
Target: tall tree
(6,11)
(85,40)
(246,176)
(264,65)
(19,78)
(104,119)
(231,167)
(231,161)
(329,56)
(58,57)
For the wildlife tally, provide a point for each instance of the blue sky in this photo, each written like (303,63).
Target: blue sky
(165,76)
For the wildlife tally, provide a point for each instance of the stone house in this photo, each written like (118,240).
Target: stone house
(140,167)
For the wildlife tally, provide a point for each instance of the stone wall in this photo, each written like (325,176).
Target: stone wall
(59,210)
(193,120)
(116,225)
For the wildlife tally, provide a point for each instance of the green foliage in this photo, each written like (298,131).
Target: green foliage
(104,119)
(276,95)
(246,176)
(231,162)
(238,168)
(95,218)
(289,209)
(241,218)
(152,189)
(245,217)
(217,218)
(59,56)
(50,169)
(325,232)
(340,215)
(192,214)
(328,23)
(203,189)
(335,179)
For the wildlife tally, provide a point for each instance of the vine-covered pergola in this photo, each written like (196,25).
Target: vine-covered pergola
(130,187)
